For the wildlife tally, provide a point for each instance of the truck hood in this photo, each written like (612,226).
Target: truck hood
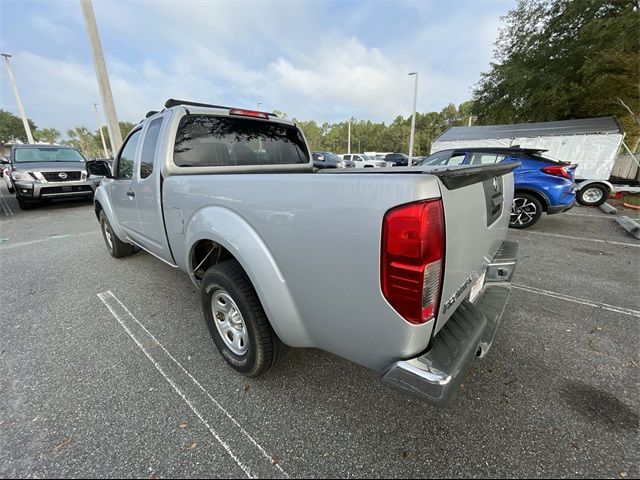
(48,166)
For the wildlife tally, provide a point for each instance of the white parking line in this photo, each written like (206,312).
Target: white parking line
(40,240)
(637,245)
(113,304)
(581,301)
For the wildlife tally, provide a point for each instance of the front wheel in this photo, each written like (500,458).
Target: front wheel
(237,322)
(526,210)
(116,247)
(592,195)
(25,204)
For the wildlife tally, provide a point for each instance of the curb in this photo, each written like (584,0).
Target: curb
(606,208)
(629,225)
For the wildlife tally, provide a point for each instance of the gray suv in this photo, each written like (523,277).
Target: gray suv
(43,172)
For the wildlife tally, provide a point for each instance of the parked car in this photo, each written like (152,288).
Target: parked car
(330,160)
(4,165)
(43,172)
(397,159)
(189,188)
(364,161)
(541,184)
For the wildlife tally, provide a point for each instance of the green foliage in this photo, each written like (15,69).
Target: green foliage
(379,137)
(11,127)
(563,59)
(49,135)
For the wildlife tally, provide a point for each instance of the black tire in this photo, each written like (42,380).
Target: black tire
(264,348)
(593,195)
(25,204)
(118,248)
(525,211)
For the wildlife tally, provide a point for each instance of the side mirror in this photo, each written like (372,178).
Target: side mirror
(99,168)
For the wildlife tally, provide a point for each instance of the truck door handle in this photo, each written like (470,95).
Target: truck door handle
(131,194)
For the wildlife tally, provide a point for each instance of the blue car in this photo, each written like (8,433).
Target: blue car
(541,184)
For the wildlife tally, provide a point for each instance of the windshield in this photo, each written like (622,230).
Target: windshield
(368,158)
(47,154)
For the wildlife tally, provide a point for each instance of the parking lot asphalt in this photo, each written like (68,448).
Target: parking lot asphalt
(129,383)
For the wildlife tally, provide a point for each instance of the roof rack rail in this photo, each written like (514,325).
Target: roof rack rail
(151,113)
(172,102)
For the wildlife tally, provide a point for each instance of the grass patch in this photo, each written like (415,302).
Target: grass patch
(631,199)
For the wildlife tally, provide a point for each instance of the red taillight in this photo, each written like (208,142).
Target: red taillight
(412,259)
(559,170)
(248,113)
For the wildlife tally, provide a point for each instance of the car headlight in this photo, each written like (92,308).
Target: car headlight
(22,177)
(83,175)
(341,164)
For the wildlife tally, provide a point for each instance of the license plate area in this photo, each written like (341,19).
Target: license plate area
(477,287)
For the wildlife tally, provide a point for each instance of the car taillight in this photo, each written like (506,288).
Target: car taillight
(248,113)
(413,259)
(559,170)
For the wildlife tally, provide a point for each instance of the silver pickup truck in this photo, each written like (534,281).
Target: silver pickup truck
(413,287)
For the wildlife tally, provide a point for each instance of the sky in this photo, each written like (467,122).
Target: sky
(312,59)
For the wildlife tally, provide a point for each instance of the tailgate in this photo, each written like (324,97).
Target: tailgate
(477,205)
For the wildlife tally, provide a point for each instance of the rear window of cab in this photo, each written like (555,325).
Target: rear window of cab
(215,141)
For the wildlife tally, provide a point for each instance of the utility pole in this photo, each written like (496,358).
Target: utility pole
(349,140)
(12,80)
(413,118)
(101,73)
(104,144)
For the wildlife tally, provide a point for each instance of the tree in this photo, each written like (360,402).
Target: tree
(12,129)
(82,139)
(49,135)
(563,59)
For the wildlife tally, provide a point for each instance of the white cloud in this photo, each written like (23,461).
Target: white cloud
(284,55)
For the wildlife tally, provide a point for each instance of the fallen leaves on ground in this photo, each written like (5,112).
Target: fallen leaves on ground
(192,446)
(183,425)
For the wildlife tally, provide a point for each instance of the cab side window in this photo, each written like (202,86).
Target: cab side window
(149,148)
(127,157)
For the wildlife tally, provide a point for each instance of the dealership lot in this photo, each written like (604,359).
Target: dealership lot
(107,369)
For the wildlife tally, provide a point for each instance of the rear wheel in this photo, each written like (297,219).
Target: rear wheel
(526,210)
(593,195)
(237,322)
(116,247)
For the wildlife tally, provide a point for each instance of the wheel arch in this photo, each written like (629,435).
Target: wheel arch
(224,235)
(544,201)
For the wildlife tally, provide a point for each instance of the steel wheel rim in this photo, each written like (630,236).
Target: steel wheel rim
(229,322)
(523,211)
(107,236)
(592,195)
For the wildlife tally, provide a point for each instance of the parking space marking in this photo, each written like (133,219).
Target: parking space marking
(40,240)
(6,208)
(581,301)
(113,304)
(637,245)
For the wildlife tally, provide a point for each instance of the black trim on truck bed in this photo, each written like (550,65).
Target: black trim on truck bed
(452,177)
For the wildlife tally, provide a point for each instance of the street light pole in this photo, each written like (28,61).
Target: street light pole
(12,79)
(101,73)
(413,117)
(349,141)
(104,144)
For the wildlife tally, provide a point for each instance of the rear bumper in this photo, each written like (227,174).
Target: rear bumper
(551,210)
(436,375)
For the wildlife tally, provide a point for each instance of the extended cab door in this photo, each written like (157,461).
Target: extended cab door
(147,187)
(121,189)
